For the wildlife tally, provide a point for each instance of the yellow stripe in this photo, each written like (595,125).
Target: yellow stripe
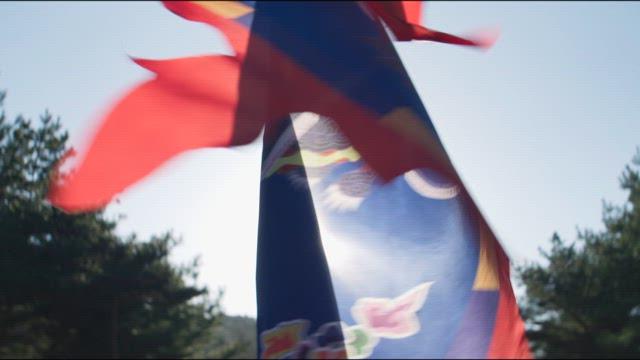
(313,159)
(405,122)
(226,9)
(487,272)
(294,159)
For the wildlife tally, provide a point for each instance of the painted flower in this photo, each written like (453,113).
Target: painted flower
(392,318)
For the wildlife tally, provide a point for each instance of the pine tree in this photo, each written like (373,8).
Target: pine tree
(586,302)
(69,286)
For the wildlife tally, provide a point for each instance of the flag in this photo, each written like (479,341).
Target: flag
(351,265)
(369,245)
(219,100)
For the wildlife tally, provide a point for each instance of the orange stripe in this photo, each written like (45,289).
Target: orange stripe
(487,272)
(226,9)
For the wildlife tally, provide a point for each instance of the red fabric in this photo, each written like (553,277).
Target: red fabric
(272,89)
(412,11)
(509,340)
(403,18)
(190,104)
(207,102)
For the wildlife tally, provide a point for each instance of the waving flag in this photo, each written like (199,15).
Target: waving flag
(415,271)
(212,101)
(369,244)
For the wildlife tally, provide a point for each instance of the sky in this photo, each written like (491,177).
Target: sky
(539,127)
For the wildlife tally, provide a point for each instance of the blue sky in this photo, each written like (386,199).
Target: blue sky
(539,127)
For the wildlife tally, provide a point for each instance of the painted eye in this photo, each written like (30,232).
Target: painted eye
(323,135)
(428,187)
(350,191)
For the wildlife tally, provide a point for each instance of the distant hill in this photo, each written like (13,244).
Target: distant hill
(234,337)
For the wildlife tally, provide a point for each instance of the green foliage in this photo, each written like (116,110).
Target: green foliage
(586,302)
(234,338)
(69,286)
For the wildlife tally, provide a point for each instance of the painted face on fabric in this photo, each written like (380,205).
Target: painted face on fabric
(382,240)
